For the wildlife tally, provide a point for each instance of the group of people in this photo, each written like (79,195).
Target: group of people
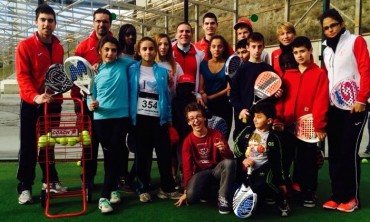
(154,84)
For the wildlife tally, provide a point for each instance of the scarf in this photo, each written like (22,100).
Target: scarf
(333,42)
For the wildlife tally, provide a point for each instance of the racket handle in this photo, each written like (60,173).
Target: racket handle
(249,172)
(92,98)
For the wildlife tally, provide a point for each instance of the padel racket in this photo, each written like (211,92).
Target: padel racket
(56,80)
(80,72)
(244,202)
(130,142)
(344,94)
(304,129)
(232,65)
(266,85)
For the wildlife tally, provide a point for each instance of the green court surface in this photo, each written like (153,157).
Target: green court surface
(131,209)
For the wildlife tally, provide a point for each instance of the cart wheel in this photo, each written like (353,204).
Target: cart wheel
(43,198)
(89,194)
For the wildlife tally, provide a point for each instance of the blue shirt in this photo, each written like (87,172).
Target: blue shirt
(110,89)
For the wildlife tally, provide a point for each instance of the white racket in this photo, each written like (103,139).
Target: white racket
(56,80)
(244,202)
(80,72)
(304,129)
(344,94)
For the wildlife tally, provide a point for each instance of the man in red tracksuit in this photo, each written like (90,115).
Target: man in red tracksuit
(33,57)
(88,50)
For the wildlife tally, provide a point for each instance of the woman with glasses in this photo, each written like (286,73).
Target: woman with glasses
(346,57)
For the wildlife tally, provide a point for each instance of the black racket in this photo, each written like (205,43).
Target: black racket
(56,80)
(232,65)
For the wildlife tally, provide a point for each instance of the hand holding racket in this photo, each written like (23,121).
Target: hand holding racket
(344,94)
(56,80)
(80,72)
(232,64)
(304,129)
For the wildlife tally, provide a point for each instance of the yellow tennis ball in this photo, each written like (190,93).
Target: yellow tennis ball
(86,140)
(42,141)
(78,163)
(71,141)
(364,160)
(63,141)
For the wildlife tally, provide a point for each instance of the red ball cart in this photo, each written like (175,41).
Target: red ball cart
(63,139)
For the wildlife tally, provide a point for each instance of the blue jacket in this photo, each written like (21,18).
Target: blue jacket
(164,100)
(110,88)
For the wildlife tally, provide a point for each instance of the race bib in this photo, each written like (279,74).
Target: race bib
(147,104)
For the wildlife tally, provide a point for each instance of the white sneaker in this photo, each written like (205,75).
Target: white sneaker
(145,197)
(115,197)
(25,197)
(55,187)
(104,205)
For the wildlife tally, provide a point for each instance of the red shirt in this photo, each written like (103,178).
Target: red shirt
(200,153)
(32,60)
(275,61)
(188,62)
(304,93)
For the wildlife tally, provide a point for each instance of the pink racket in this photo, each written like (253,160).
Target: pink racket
(266,85)
(304,129)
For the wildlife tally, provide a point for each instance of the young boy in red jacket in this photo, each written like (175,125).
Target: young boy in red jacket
(306,91)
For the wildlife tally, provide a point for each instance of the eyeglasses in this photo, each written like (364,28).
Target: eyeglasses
(193,118)
(331,26)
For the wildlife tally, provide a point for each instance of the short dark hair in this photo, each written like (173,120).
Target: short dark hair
(193,107)
(210,15)
(103,11)
(332,13)
(241,44)
(184,23)
(268,109)
(301,41)
(109,39)
(256,37)
(46,9)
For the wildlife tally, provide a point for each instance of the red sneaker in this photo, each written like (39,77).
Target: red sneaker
(350,206)
(330,204)
(296,187)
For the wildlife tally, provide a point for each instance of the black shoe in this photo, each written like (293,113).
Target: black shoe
(270,201)
(125,186)
(223,205)
(284,209)
(309,200)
